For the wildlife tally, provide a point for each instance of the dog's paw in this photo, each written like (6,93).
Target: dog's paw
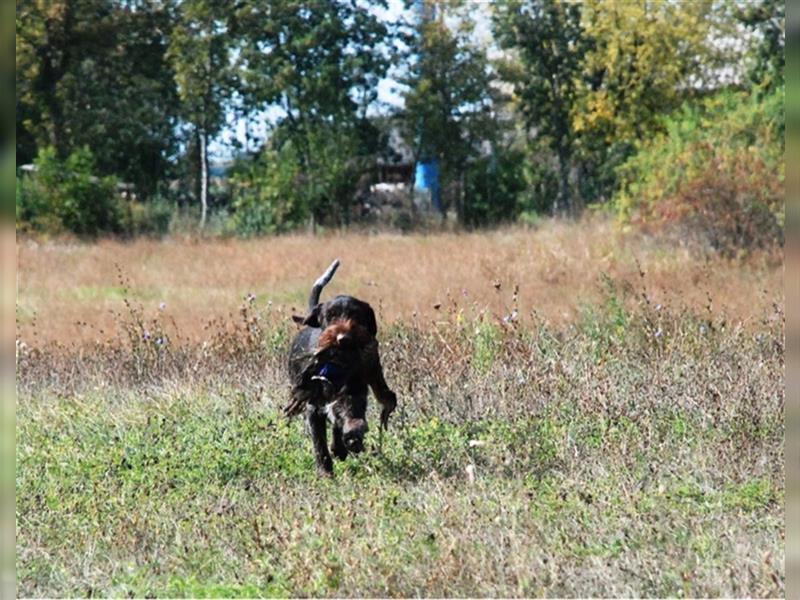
(339,452)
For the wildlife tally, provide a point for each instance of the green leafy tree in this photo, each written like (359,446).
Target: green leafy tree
(7,74)
(495,186)
(122,101)
(265,192)
(547,46)
(645,60)
(767,20)
(47,34)
(273,192)
(93,73)
(317,65)
(200,54)
(450,105)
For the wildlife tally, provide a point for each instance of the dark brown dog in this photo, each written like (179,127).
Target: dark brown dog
(332,362)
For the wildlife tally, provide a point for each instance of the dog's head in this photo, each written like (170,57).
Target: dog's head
(343,334)
(341,308)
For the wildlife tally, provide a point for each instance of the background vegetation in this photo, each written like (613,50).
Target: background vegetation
(531,107)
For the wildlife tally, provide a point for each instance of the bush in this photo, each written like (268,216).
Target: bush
(717,174)
(149,218)
(267,196)
(493,188)
(285,186)
(67,196)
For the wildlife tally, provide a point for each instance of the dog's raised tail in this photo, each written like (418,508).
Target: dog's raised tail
(320,283)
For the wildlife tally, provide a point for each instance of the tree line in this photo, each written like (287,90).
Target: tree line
(530,107)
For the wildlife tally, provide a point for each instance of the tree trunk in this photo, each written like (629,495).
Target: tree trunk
(563,204)
(460,206)
(203,139)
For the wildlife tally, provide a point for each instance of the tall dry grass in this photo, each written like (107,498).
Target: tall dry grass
(70,292)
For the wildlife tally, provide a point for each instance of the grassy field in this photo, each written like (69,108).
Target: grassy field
(581,413)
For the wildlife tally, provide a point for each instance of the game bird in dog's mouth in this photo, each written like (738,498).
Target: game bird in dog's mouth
(333,359)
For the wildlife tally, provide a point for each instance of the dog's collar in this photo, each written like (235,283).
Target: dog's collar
(332,373)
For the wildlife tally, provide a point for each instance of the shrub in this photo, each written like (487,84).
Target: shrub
(266,194)
(291,182)
(493,188)
(149,218)
(716,175)
(67,196)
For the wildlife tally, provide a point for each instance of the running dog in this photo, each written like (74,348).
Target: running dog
(333,359)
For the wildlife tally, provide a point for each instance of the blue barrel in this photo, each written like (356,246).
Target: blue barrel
(426,178)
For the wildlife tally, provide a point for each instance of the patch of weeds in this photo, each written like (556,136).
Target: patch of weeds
(429,446)
(603,549)
(680,426)
(277,339)
(677,427)
(594,433)
(703,546)
(752,495)
(211,590)
(691,492)
(486,344)
(606,324)
(191,587)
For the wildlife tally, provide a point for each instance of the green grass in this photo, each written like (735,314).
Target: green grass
(208,494)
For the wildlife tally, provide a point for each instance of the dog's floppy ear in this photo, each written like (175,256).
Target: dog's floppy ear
(312,320)
(371,323)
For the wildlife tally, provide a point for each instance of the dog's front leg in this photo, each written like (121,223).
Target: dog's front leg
(337,447)
(373,372)
(317,424)
(385,396)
